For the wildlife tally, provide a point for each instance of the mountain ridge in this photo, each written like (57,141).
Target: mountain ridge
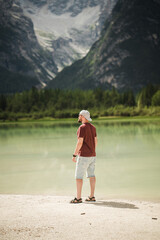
(126,56)
(23,62)
(77,22)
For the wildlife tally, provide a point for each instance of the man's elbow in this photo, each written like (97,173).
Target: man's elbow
(80,141)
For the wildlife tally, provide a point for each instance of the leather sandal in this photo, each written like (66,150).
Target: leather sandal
(90,199)
(76,200)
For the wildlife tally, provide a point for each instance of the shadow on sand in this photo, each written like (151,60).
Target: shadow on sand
(114,204)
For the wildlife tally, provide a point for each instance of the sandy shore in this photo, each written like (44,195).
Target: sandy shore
(31,217)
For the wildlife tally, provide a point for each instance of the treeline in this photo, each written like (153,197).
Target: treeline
(56,103)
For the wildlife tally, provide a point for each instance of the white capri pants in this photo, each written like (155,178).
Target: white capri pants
(85,165)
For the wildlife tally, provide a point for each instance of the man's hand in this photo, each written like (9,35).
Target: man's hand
(74,159)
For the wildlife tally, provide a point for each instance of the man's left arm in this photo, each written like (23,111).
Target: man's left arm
(78,147)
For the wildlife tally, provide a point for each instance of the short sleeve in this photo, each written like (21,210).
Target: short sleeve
(81,132)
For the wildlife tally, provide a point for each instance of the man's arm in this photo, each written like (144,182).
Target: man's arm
(78,147)
(95,141)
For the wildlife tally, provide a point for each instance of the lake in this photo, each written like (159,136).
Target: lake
(36,158)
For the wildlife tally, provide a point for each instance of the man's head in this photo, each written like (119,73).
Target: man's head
(84,116)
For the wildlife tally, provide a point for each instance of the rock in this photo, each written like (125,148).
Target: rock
(23,62)
(78,22)
(126,56)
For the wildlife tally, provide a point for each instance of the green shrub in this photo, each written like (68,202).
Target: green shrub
(4,116)
(156,99)
(62,114)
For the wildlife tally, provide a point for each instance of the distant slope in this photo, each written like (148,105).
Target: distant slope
(67,28)
(23,62)
(127,56)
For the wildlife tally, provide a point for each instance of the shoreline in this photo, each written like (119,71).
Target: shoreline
(98,196)
(74,120)
(49,217)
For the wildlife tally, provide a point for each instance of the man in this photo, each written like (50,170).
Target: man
(86,155)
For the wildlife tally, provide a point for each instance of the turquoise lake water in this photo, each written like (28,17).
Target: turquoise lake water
(36,158)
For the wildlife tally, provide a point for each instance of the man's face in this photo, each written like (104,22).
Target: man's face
(80,118)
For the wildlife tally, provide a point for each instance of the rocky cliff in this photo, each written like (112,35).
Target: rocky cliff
(23,62)
(126,56)
(67,28)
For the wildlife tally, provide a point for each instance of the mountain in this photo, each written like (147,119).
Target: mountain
(67,28)
(126,56)
(23,62)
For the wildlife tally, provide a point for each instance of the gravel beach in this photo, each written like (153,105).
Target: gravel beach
(43,217)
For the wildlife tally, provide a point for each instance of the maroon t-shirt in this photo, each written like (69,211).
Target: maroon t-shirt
(88,132)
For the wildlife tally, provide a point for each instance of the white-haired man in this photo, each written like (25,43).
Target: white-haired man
(85,155)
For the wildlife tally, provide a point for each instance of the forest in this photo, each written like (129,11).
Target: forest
(56,103)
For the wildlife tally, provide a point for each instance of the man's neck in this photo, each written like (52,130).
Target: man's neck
(85,121)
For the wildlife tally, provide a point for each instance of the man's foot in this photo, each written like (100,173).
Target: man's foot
(76,200)
(90,199)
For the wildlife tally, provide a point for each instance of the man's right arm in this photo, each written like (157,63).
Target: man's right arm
(95,141)
(78,147)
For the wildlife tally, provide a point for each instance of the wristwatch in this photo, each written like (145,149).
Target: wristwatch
(74,155)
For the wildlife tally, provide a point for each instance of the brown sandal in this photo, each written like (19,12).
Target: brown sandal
(90,199)
(76,200)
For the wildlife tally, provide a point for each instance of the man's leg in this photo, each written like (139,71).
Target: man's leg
(92,185)
(79,183)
